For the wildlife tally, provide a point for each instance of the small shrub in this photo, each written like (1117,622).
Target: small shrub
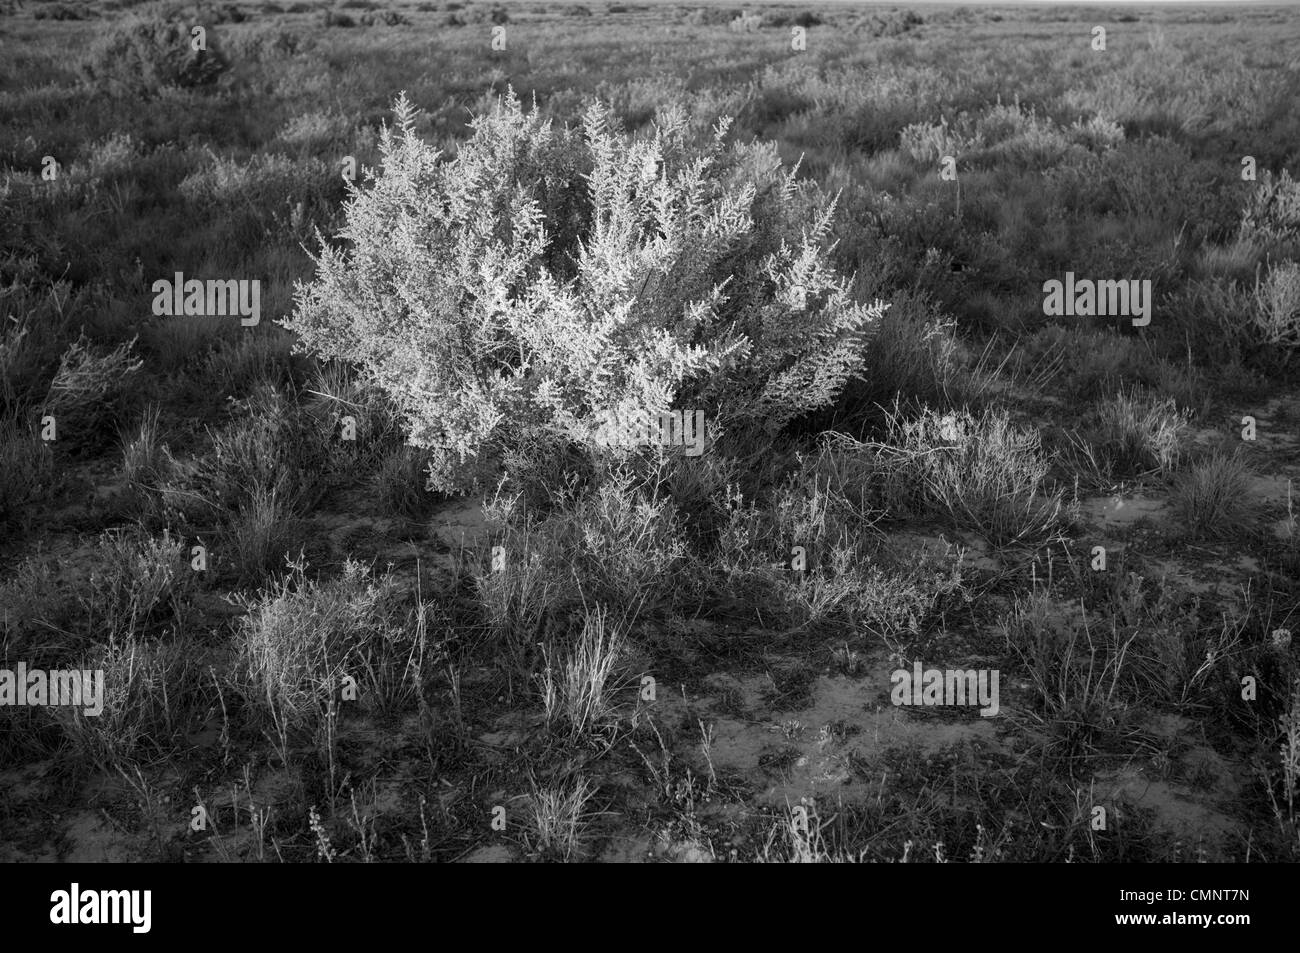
(1097,133)
(269,45)
(516,600)
(87,390)
(927,143)
(1276,315)
(628,541)
(151,693)
(316,130)
(710,16)
(891,24)
(385,17)
(1272,212)
(981,473)
(142,56)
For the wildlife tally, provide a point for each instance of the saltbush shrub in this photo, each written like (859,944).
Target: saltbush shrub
(544,282)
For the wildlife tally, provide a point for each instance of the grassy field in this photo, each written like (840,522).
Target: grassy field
(324,636)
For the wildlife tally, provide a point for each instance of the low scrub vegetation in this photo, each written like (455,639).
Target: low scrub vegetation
(629,417)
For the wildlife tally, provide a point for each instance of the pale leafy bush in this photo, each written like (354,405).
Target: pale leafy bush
(1272,212)
(544,281)
(1097,133)
(1223,318)
(930,142)
(746,23)
(113,159)
(1276,314)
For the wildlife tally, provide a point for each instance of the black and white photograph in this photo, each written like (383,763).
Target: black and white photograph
(534,431)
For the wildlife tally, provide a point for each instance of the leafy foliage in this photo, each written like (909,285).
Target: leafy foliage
(544,281)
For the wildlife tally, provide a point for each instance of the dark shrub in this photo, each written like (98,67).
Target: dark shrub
(143,55)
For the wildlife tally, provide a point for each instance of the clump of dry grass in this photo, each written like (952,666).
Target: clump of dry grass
(578,685)
(981,473)
(1210,498)
(87,390)
(302,637)
(1136,435)
(27,465)
(558,815)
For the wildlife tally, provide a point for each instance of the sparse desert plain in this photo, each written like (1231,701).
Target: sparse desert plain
(514,432)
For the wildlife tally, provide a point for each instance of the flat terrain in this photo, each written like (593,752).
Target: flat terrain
(311,655)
